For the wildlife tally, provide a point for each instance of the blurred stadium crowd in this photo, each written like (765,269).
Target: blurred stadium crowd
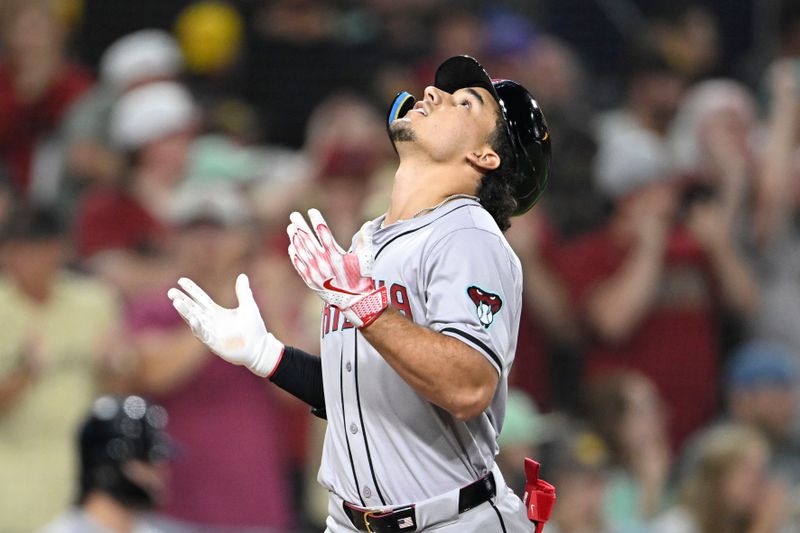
(656,375)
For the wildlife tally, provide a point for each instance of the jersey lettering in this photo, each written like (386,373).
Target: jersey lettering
(399,298)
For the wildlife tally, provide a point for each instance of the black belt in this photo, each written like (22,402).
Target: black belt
(404,520)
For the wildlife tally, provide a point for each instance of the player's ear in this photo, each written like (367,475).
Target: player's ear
(484,159)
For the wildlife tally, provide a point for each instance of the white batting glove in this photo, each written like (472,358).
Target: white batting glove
(340,278)
(237,335)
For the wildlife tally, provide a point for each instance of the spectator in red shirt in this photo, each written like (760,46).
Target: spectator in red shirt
(37,87)
(649,288)
(120,229)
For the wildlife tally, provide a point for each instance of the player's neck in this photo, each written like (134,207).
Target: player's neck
(419,185)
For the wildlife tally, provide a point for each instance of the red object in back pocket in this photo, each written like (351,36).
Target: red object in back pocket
(539,497)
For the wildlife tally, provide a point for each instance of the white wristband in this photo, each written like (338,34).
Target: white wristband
(267,357)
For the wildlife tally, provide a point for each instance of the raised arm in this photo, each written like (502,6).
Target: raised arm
(442,369)
(452,363)
(615,307)
(739,291)
(775,198)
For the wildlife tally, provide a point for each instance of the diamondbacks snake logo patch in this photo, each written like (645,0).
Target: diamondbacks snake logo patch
(486,303)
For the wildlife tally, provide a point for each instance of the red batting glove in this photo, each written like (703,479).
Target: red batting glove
(343,279)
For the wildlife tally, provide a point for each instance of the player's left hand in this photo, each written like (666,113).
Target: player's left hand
(237,335)
(342,279)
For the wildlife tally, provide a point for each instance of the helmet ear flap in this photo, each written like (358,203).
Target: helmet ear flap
(401,105)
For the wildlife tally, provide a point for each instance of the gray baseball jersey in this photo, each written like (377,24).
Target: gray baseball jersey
(450,270)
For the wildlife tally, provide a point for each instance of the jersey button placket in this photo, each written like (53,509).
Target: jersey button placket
(348,366)
(353,428)
(366,492)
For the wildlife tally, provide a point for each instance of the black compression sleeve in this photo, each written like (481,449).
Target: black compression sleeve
(300,374)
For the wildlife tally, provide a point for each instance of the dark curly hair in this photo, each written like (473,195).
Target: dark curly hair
(496,189)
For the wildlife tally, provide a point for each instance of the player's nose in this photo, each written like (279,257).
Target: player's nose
(434,95)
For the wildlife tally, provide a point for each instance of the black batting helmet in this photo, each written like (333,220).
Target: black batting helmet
(119,430)
(524,122)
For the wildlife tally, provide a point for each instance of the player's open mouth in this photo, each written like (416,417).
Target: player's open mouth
(419,107)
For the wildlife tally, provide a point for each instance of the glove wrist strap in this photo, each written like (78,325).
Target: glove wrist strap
(268,357)
(366,310)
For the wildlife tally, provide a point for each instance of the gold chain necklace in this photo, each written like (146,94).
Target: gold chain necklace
(429,209)
(440,204)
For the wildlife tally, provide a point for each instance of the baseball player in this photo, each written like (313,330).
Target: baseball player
(420,316)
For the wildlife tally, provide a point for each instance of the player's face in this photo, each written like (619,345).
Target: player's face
(449,127)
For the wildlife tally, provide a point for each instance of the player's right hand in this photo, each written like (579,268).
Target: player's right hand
(237,335)
(342,279)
